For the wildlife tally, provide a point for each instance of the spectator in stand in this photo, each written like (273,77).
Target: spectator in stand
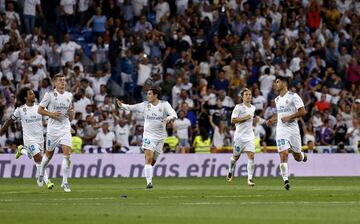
(105,138)
(326,133)
(98,22)
(183,130)
(202,142)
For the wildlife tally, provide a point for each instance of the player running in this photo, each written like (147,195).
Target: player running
(289,107)
(157,114)
(57,105)
(32,128)
(244,137)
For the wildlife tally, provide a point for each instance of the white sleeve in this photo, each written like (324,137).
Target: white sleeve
(45,101)
(298,101)
(140,107)
(170,111)
(236,112)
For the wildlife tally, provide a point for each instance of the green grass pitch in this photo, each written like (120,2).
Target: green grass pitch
(182,200)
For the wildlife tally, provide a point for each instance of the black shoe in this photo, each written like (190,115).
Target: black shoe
(229,177)
(287,185)
(305,158)
(149,186)
(251,183)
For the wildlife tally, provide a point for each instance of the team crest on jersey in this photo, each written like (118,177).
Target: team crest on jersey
(24,109)
(286,101)
(55,94)
(160,110)
(148,106)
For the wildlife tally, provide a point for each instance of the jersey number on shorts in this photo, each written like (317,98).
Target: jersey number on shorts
(281,142)
(32,148)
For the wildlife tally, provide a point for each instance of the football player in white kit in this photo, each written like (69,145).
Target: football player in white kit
(157,114)
(32,128)
(289,107)
(57,105)
(244,137)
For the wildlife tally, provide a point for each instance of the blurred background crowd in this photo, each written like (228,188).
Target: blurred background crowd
(201,53)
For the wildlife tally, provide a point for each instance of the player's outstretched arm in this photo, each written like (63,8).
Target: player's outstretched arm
(136,107)
(6,125)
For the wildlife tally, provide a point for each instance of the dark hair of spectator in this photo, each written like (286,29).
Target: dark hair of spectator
(204,133)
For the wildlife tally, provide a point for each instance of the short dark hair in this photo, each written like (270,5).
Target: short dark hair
(283,79)
(22,95)
(156,91)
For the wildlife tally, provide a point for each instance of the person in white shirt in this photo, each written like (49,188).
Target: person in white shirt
(157,114)
(105,138)
(57,105)
(122,133)
(289,107)
(30,14)
(32,128)
(68,9)
(183,130)
(244,137)
(162,9)
(67,50)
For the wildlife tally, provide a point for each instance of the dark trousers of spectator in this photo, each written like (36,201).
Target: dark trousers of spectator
(68,21)
(81,19)
(29,23)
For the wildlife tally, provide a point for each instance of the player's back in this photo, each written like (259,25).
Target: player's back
(56,102)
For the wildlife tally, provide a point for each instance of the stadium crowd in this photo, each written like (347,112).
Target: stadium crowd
(201,53)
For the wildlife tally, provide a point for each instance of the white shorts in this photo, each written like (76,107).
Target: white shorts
(153,145)
(34,148)
(240,147)
(289,142)
(54,140)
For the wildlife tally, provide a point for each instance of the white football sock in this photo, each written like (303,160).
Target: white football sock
(232,164)
(284,170)
(148,169)
(44,162)
(46,177)
(250,168)
(24,152)
(66,169)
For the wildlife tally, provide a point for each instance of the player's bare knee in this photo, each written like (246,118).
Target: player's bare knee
(251,155)
(37,158)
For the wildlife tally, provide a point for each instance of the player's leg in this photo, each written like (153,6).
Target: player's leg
(283,146)
(52,142)
(21,150)
(250,152)
(295,142)
(235,157)
(65,166)
(37,159)
(148,168)
(250,167)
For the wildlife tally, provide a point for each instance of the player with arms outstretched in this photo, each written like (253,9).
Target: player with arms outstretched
(157,114)
(289,107)
(32,128)
(57,105)
(244,137)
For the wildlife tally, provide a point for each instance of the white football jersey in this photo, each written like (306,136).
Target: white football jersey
(244,131)
(31,122)
(182,128)
(155,124)
(55,102)
(285,106)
